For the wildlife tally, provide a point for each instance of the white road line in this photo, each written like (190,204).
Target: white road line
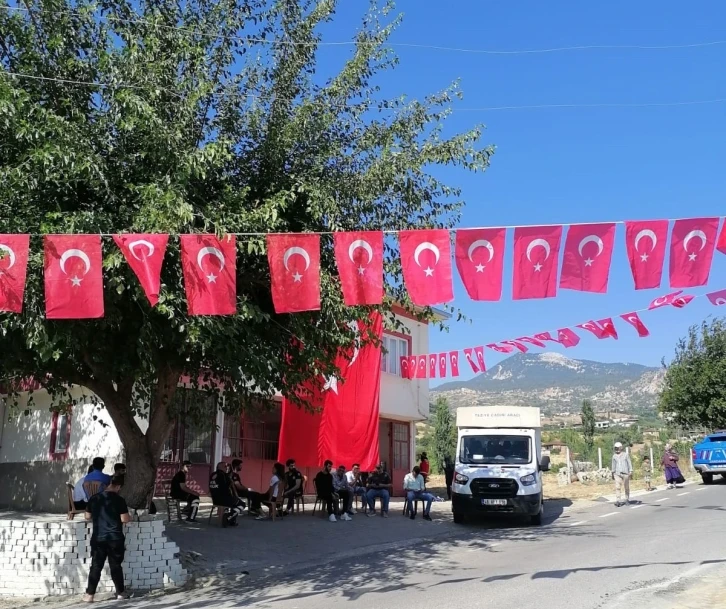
(663,499)
(635,507)
(574,524)
(681,494)
(494,545)
(700,489)
(609,514)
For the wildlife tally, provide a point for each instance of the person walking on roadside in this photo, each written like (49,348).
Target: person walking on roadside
(622,469)
(673,474)
(109,513)
(448,475)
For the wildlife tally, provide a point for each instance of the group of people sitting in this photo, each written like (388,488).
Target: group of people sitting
(94,474)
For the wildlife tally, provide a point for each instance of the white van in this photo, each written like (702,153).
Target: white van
(498,463)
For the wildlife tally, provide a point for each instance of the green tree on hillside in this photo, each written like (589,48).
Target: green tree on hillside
(443,442)
(694,390)
(204,116)
(588,424)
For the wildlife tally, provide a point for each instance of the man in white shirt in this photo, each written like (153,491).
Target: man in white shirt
(79,495)
(355,484)
(413,485)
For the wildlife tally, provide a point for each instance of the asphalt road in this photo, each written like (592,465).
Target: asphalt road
(670,545)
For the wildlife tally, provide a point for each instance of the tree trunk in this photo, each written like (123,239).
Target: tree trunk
(141,468)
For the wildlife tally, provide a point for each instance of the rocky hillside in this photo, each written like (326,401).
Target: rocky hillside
(557,383)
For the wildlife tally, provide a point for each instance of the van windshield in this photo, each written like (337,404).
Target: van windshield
(495,450)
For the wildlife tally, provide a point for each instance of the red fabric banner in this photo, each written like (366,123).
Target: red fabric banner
(421,367)
(209,265)
(294,261)
(536,254)
(73,277)
(145,255)
(299,433)
(634,320)
(717,298)
(518,346)
(588,253)
(426,264)
(546,336)
(454,357)
(469,355)
(664,301)
(480,261)
(692,243)
(479,352)
(13,270)
(537,342)
(412,366)
(567,337)
(721,245)
(433,361)
(594,328)
(682,301)
(500,348)
(646,245)
(359,256)
(442,365)
(404,367)
(608,328)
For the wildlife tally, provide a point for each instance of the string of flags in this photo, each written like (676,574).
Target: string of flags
(442,365)
(74,279)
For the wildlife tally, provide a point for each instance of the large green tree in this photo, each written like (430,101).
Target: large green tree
(443,441)
(203,116)
(587,416)
(694,390)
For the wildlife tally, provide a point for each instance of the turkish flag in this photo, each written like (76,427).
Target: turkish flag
(442,365)
(421,367)
(412,366)
(518,346)
(294,272)
(608,328)
(664,301)
(468,353)
(692,243)
(546,336)
(480,261)
(634,320)
(682,301)
(646,245)
(536,253)
(533,341)
(209,265)
(454,357)
(567,337)
(432,365)
(721,245)
(359,256)
(593,327)
(73,277)
(500,348)
(479,352)
(404,367)
(426,263)
(145,255)
(717,298)
(588,253)
(13,270)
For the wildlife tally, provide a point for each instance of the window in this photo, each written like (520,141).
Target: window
(394,348)
(60,436)
(499,450)
(401,446)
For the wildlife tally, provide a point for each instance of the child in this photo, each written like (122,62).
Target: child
(647,473)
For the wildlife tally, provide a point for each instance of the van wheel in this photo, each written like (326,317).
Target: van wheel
(536,520)
(458,518)
(707,478)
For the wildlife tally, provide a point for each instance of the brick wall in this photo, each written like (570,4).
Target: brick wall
(53,558)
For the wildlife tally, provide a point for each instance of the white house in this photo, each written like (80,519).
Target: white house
(41,451)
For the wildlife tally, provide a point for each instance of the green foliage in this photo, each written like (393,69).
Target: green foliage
(443,441)
(694,391)
(588,423)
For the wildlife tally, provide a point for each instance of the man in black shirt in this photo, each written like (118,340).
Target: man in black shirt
(324,488)
(109,513)
(242,491)
(379,485)
(220,487)
(181,492)
(293,484)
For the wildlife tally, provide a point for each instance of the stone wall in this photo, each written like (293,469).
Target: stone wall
(40,558)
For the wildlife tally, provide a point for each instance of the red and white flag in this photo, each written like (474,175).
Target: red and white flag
(426,264)
(359,256)
(682,301)
(692,243)
(567,337)
(593,327)
(13,270)
(500,348)
(433,361)
(209,265)
(546,336)
(664,301)
(721,245)
(404,367)
(608,328)
(145,255)
(634,320)
(479,352)
(517,345)
(480,261)
(536,254)
(533,341)
(412,366)
(454,357)
(717,298)
(442,365)
(469,354)
(294,261)
(588,253)
(73,277)
(421,367)
(646,245)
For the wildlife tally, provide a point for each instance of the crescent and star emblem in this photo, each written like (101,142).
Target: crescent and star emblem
(364,245)
(646,232)
(720,301)
(210,251)
(694,234)
(331,382)
(10,254)
(146,244)
(591,239)
(292,251)
(426,245)
(74,253)
(477,244)
(538,243)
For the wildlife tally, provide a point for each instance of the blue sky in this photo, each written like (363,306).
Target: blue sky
(574,164)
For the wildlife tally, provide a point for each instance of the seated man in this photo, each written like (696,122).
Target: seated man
(293,484)
(356,484)
(220,487)
(414,486)
(181,492)
(97,475)
(325,490)
(242,491)
(79,494)
(119,469)
(379,485)
(342,491)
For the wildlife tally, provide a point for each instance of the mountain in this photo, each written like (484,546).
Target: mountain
(557,383)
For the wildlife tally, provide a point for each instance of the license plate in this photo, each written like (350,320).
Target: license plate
(494,502)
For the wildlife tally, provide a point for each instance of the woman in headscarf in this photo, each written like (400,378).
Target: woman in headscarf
(673,475)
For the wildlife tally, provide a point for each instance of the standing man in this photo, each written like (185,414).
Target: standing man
(324,488)
(622,469)
(242,491)
(220,488)
(379,485)
(293,484)
(356,485)
(415,487)
(181,492)
(109,513)
(448,474)
(342,490)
